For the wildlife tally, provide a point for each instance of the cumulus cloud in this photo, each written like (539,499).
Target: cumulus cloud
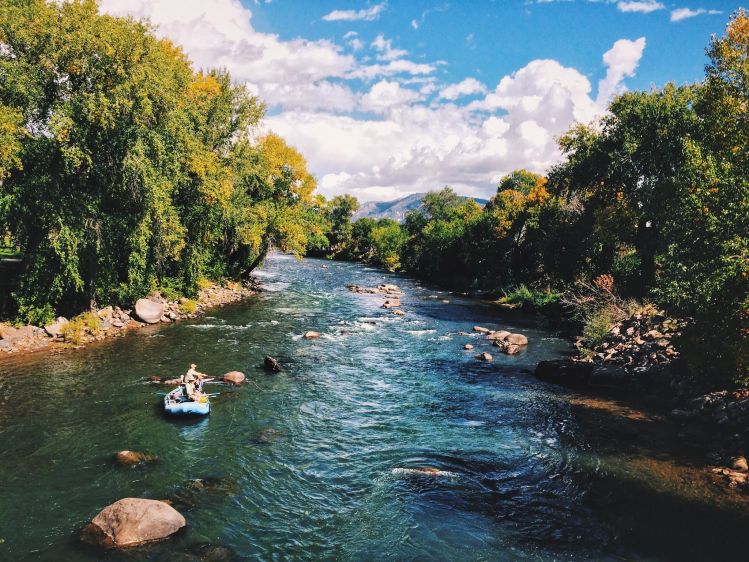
(386,95)
(366,14)
(685,13)
(622,61)
(640,6)
(384,127)
(467,87)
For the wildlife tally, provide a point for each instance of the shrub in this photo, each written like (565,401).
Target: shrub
(204,283)
(36,315)
(73,331)
(535,299)
(91,322)
(596,325)
(188,306)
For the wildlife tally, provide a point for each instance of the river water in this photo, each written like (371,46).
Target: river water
(313,463)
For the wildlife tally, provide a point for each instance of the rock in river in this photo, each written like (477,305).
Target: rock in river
(234,377)
(485,356)
(311,335)
(272,364)
(149,311)
(133,521)
(133,458)
(468,346)
(516,339)
(481,330)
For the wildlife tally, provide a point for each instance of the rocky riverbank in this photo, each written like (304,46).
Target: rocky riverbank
(111,321)
(638,362)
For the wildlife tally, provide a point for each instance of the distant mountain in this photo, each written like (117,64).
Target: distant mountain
(397,209)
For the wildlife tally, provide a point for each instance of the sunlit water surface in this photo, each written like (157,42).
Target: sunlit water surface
(307,464)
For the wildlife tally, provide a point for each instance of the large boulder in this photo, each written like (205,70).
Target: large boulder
(498,336)
(564,372)
(234,377)
(516,339)
(149,311)
(133,521)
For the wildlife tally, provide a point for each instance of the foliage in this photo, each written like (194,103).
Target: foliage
(535,299)
(122,170)
(188,306)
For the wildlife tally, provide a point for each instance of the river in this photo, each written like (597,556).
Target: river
(308,464)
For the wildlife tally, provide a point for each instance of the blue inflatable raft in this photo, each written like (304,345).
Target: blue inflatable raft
(176,404)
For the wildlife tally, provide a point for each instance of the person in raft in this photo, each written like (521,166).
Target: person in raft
(192,382)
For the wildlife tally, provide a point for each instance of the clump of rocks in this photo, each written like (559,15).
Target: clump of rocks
(507,342)
(384,289)
(392,294)
(640,342)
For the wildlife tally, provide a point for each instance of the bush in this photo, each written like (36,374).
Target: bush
(204,283)
(188,306)
(91,322)
(535,299)
(73,331)
(36,315)
(596,325)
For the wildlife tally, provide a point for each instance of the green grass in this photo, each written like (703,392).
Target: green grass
(530,298)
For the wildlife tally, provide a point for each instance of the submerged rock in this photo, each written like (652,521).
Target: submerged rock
(399,312)
(272,364)
(485,356)
(133,521)
(423,471)
(468,346)
(149,311)
(311,335)
(134,458)
(234,377)
(193,492)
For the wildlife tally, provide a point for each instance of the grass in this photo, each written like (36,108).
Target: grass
(188,306)
(596,325)
(528,297)
(74,330)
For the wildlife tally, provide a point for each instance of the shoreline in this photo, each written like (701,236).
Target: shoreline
(116,322)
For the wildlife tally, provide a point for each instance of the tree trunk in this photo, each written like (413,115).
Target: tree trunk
(257,261)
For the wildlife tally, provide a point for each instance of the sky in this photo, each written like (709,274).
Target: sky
(395,97)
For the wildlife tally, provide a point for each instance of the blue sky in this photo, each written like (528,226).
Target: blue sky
(489,39)
(390,98)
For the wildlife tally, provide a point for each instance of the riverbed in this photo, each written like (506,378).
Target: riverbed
(320,461)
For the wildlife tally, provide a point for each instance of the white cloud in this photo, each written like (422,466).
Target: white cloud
(385,95)
(403,133)
(684,13)
(467,87)
(366,14)
(640,6)
(386,50)
(622,61)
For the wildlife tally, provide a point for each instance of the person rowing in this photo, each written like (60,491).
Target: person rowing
(192,382)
